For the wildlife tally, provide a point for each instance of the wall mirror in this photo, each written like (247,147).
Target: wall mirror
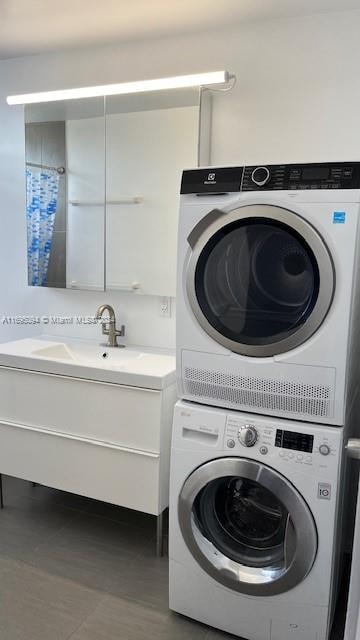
(103,178)
(65,193)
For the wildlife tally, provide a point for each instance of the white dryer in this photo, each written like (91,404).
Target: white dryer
(268,289)
(254,523)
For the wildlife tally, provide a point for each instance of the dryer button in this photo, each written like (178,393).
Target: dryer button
(263,450)
(231,443)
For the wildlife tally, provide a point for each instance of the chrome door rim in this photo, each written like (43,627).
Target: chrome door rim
(217,220)
(236,576)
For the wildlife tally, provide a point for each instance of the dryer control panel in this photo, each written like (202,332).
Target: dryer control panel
(276,177)
(327,175)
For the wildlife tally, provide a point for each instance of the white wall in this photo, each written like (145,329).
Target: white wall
(297,98)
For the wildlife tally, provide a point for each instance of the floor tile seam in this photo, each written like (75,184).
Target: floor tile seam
(140,554)
(128,524)
(54,535)
(37,548)
(75,513)
(92,612)
(141,601)
(52,576)
(89,538)
(41,499)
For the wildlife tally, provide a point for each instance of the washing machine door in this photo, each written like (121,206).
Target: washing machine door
(259,280)
(247,526)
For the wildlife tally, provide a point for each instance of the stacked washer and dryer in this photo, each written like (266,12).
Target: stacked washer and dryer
(268,375)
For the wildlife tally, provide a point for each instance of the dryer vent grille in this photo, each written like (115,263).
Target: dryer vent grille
(260,393)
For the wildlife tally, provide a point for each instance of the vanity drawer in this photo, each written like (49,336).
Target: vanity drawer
(101,471)
(127,416)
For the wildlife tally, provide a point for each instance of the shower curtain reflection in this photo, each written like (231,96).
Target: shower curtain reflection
(41,204)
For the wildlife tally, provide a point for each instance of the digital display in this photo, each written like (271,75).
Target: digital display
(315,173)
(294,440)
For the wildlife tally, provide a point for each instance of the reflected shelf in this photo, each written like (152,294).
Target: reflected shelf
(132,286)
(85,285)
(98,203)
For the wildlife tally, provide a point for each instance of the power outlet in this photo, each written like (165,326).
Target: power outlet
(165,307)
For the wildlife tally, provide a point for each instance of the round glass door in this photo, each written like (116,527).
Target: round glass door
(243,520)
(260,280)
(247,526)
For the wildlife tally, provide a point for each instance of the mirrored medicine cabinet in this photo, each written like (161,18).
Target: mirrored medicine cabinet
(102,187)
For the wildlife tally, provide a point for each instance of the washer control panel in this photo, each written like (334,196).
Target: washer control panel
(324,450)
(301,447)
(327,175)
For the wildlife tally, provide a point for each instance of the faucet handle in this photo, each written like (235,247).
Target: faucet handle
(120,332)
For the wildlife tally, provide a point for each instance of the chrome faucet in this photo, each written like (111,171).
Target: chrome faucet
(109,329)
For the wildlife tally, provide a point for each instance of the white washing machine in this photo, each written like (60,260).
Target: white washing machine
(268,290)
(254,523)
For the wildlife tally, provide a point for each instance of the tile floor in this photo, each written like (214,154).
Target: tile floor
(73,568)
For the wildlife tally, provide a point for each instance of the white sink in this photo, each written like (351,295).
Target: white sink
(89,354)
(142,367)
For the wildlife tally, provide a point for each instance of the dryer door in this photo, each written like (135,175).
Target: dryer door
(260,279)
(247,526)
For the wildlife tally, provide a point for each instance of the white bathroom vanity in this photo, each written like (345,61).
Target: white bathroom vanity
(89,419)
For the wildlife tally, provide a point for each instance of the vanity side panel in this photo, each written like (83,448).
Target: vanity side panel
(124,478)
(127,416)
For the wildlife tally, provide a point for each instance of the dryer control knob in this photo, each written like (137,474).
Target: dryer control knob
(260,175)
(247,435)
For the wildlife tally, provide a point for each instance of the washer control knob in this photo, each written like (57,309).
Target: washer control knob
(247,435)
(231,443)
(324,449)
(260,175)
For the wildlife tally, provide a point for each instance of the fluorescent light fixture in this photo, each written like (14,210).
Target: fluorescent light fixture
(176,82)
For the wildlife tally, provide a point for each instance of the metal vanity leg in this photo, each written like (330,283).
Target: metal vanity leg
(160,535)
(1,493)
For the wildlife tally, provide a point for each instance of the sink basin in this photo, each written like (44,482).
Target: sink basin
(89,354)
(142,367)
(56,352)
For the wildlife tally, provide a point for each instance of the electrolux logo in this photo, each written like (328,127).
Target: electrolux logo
(211,178)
